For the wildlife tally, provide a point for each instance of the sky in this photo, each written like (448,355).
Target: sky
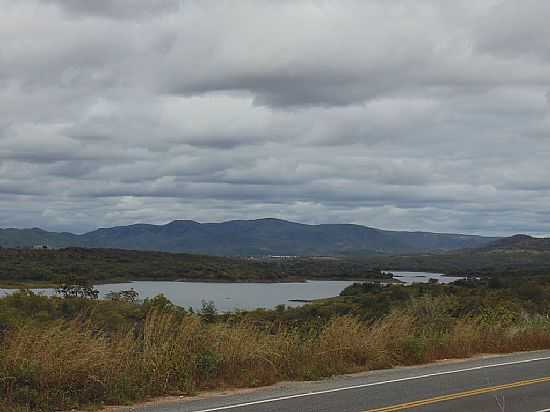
(407,115)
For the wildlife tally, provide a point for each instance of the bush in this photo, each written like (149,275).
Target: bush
(68,353)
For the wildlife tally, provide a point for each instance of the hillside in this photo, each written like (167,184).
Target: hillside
(520,242)
(107,265)
(518,255)
(249,238)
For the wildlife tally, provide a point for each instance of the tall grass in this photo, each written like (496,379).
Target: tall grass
(70,363)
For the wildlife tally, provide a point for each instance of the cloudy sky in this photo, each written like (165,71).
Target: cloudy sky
(423,115)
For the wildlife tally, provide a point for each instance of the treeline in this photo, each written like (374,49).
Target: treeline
(69,352)
(28,266)
(328,267)
(370,301)
(475,262)
(107,265)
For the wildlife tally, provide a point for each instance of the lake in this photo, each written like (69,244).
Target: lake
(422,277)
(230,296)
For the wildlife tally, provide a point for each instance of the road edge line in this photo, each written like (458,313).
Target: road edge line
(370,384)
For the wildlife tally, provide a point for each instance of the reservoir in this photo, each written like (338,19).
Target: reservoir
(422,277)
(232,296)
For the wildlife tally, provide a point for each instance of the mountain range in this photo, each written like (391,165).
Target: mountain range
(258,237)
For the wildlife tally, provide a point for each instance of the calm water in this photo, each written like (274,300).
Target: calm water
(422,277)
(229,296)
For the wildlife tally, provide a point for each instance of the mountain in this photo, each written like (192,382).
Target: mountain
(250,238)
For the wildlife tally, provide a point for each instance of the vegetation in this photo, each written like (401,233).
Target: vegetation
(106,265)
(474,262)
(515,256)
(518,256)
(77,351)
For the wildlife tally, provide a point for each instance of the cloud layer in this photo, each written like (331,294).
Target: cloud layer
(425,115)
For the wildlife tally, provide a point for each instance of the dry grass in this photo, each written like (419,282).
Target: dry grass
(71,364)
(48,366)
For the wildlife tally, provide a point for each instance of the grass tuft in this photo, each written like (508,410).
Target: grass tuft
(69,364)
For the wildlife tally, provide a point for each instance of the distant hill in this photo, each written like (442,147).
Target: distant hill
(115,265)
(249,238)
(519,255)
(520,242)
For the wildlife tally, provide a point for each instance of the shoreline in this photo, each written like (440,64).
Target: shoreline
(28,285)
(49,285)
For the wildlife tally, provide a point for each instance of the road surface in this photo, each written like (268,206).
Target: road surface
(511,383)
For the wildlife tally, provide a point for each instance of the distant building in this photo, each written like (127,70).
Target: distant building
(40,247)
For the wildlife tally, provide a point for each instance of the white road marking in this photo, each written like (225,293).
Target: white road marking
(544,410)
(366,385)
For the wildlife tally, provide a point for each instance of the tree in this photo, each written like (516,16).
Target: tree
(159,302)
(128,296)
(208,311)
(73,287)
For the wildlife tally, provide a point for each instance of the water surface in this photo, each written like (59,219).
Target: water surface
(422,277)
(231,296)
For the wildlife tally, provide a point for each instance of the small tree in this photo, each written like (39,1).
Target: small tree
(208,310)
(73,287)
(127,296)
(158,302)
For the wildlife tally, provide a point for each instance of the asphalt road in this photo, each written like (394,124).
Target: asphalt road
(512,383)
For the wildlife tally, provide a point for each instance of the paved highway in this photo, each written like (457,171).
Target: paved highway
(511,383)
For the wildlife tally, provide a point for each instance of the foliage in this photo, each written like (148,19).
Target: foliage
(77,288)
(208,311)
(85,266)
(471,262)
(128,296)
(69,352)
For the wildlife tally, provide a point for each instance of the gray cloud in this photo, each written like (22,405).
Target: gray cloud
(124,9)
(422,115)
(517,29)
